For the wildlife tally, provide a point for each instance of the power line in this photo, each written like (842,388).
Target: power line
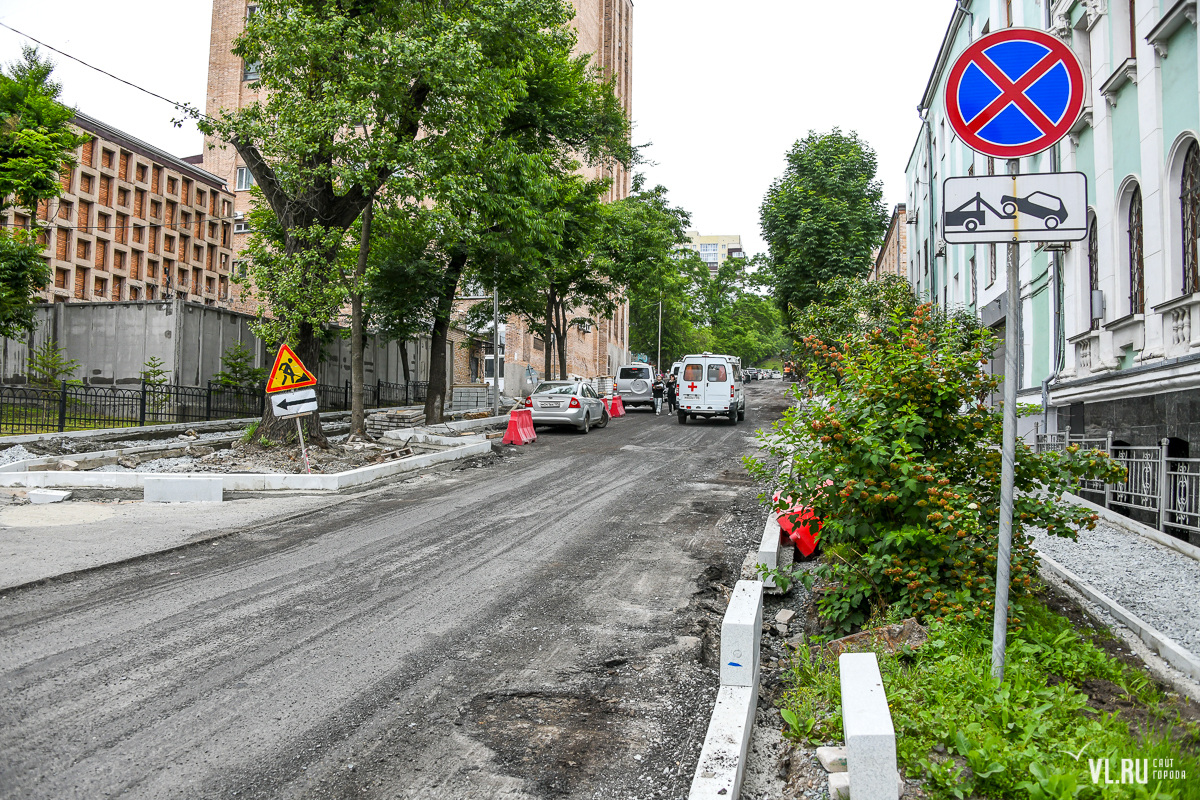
(182,106)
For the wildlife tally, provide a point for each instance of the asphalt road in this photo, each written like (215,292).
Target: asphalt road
(532,626)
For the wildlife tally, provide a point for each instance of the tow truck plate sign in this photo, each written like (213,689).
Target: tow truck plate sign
(1001,209)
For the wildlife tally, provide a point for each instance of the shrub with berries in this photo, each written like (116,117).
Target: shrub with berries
(898,451)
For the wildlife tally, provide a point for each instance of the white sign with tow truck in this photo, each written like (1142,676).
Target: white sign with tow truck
(1040,207)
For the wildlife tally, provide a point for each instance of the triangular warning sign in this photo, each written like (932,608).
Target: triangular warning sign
(288,373)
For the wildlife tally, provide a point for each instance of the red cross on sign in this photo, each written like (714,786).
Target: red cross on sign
(1014,93)
(692,386)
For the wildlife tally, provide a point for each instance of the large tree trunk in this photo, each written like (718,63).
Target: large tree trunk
(435,399)
(561,320)
(403,343)
(549,334)
(358,412)
(308,350)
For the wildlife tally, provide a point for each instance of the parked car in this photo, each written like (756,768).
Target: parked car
(711,386)
(635,385)
(571,403)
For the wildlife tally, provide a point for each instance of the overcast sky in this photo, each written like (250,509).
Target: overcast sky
(722,89)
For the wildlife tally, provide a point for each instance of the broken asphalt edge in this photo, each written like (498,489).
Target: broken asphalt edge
(722,763)
(1160,643)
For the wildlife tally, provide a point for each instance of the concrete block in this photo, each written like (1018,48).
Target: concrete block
(833,759)
(740,633)
(785,616)
(722,763)
(40,496)
(182,489)
(839,786)
(768,549)
(867,722)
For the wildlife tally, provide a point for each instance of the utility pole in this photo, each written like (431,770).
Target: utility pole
(1009,448)
(658,361)
(495,349)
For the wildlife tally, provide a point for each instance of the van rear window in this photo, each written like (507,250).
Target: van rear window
(693,372)
(629,373)
(716,372)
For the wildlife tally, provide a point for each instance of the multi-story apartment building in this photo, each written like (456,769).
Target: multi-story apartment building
(892,258)
(134,223)
(605,30)
(714,250)
(1110,328)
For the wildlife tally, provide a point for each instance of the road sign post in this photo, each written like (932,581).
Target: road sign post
(1012,94)
(287,390)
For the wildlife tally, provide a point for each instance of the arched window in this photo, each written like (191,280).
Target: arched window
(1189,206)
(1137,283)
(1093,270)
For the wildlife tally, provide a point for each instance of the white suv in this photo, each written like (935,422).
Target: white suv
(710,385)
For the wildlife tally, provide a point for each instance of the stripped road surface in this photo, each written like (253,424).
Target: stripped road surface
(538,625)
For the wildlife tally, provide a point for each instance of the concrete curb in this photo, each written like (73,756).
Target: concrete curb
(1160,643)
(768,548)
(1133,526)
(251,482)
(722,763)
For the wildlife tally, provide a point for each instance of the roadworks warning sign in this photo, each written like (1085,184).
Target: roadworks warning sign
(288,373)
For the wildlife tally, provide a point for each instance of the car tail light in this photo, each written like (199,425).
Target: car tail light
(731,390)
(575,402)
(529,401)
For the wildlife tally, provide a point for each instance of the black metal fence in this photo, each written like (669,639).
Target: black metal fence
(28,409)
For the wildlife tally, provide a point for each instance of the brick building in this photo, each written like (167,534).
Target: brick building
(134,223)
(605,29)
(892,258)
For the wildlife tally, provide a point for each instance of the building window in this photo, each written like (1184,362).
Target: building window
(240,225)
(250,70)
(244,179)
(1093,270)
(991,264)
(1137,264)
(1189,203)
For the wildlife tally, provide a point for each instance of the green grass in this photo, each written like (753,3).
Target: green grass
(1031,737)
(771,363)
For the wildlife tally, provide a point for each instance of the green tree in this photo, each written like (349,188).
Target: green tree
(36,143)
(49,366)
(238,370)
(823,218)
(354,97)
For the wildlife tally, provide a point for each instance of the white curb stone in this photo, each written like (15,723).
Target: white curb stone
(839,786)
(833,759)
(723,758)
(40,496)
(768,550)
(740,632)
(182,489)
(867,722)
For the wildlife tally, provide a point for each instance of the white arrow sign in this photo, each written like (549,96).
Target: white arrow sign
(293,404)
(1002,209)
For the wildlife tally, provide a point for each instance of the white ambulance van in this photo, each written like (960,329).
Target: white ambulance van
(710,385)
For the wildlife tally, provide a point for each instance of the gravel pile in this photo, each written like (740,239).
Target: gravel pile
(1159,585)
(15,453)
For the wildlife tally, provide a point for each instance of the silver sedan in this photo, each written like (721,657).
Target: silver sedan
(567,403)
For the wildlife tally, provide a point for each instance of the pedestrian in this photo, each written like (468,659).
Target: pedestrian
(672,394)
(659,390)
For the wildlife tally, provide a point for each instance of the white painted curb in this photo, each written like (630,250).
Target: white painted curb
(1133,526)
(768,549)
(722,763)
(867,725)
(1160,643)
(252,482)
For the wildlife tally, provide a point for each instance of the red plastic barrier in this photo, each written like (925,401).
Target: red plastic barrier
(616,408)
(800,524)
(520,427)
(607,406)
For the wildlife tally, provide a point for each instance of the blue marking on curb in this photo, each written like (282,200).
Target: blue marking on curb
(732,664)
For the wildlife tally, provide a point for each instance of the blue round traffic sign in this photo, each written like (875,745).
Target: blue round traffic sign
(1014,93)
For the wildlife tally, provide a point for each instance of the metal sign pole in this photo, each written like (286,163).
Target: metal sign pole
(1007,467)
(303,452)
(496,351)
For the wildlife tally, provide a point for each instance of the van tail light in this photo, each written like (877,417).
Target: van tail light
(529,401)
(575,402)
(731,390)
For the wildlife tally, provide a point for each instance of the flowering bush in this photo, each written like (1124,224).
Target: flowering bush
(900,426)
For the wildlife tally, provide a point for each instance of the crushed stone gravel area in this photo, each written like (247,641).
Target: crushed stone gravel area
(15,453)
(1158,584)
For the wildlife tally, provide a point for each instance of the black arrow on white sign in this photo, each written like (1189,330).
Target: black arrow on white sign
(285,404)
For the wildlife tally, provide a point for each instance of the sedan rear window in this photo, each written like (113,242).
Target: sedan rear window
(556,388)
(629,373)
(693,372)
(716,372)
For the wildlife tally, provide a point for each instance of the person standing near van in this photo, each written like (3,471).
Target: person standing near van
(672,394)
(659,390)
